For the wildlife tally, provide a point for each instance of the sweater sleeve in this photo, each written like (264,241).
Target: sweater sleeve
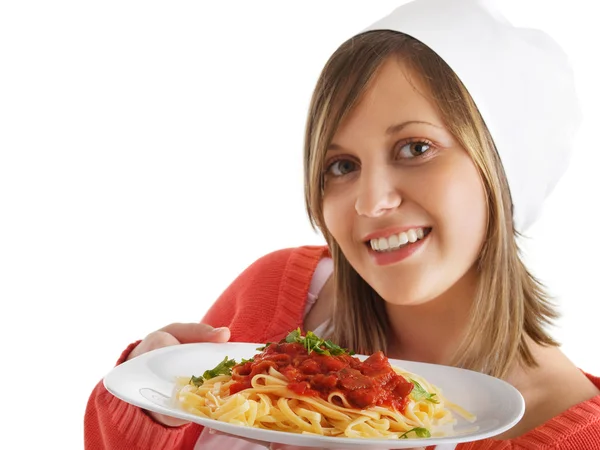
(577,428)
(112,424)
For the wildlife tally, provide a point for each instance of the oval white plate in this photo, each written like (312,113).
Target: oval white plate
(148,381)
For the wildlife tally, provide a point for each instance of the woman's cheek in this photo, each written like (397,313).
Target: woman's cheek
(464,211)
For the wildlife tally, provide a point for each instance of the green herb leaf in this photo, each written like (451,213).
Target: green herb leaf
(419,393)
(197,381)
(293,336)
(244,361)
(223,368)
(313,343)
(260,349)
(335,349)
(419,431)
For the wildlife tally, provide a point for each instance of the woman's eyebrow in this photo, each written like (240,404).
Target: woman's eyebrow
(392,129)
(398,127)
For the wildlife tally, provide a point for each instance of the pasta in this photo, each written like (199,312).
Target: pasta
(306,385)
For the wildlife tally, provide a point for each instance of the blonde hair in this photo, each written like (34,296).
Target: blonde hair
(510,304)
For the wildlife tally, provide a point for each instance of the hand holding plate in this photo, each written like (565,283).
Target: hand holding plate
(175,334)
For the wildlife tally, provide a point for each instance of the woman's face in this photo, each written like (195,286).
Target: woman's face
(402,198)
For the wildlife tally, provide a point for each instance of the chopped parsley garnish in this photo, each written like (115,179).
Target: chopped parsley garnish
(223,368)
(419,393)
(197,381)
(312,342)
(260,349)
(419,431)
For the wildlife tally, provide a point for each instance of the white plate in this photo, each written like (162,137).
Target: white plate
(148,380)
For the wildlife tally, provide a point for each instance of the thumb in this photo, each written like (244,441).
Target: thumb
(187,333)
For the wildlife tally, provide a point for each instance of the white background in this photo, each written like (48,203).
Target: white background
(151,150)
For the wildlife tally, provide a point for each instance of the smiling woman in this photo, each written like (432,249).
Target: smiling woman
(430,145)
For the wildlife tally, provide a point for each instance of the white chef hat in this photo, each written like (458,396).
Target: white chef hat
(520,80)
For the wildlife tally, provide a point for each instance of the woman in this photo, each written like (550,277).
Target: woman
(432,140)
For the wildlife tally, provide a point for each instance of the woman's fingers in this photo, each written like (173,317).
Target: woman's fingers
(174,334)
(167,420)
(180,333)
(197,332)
(156,339)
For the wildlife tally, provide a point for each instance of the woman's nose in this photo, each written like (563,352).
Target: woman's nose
(377,194)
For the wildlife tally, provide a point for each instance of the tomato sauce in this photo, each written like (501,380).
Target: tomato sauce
(369,383)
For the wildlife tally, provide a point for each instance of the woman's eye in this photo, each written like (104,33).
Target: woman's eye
(413,149)
(341,167)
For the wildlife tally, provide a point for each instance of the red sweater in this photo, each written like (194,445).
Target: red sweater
(262,305)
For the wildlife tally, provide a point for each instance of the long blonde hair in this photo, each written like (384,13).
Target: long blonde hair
(510,304)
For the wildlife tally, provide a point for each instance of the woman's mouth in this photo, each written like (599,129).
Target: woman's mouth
(397,241)
(397,247)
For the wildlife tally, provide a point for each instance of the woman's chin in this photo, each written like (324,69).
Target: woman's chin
(408,301)
(403,291)
(410,298)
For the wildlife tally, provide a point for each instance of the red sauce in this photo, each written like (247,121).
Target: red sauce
(365,384)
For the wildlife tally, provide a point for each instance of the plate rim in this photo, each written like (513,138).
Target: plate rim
(137,399)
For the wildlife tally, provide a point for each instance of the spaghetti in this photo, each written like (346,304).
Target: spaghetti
(304,384)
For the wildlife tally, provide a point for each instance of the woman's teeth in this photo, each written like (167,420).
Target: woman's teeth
(396,241)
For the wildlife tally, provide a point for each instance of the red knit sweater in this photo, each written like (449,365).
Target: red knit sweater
(263,304)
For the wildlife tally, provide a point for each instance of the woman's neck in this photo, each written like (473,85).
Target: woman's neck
(431,332)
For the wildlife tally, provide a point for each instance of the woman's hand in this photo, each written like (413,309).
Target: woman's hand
(174,334)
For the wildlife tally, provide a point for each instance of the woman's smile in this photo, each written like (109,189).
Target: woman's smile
(394,246)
